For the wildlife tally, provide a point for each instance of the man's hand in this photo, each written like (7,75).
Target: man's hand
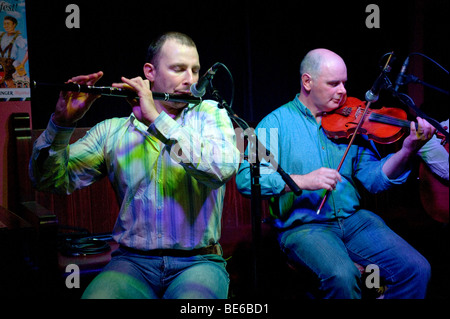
(72,106)
(322,178)
(398,163)
(418,137)
(144,109)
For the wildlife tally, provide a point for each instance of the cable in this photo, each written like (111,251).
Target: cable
(83,246)
(79,242)
(231,80)
(430,59)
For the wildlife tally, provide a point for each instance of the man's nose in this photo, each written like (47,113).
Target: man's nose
(190,77)
(341,89)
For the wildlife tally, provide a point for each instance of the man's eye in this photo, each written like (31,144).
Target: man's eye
(334,84)
(178,68)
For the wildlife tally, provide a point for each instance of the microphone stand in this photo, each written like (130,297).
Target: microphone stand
(255,149)
(408,101)
(414,79)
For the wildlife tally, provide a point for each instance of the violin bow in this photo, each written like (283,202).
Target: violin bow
(361,121)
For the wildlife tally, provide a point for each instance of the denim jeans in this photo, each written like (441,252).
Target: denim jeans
(133,276)
(329,250)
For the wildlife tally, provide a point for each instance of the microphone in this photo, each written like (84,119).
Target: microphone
(116,92)
(401,75)
(199,89)
(372,94)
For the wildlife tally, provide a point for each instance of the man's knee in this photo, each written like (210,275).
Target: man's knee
(342,283)
(116,285)
(202,281)
(419,269)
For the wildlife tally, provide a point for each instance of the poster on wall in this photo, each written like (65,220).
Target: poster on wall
(14,70)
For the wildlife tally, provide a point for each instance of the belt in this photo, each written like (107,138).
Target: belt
(208,250)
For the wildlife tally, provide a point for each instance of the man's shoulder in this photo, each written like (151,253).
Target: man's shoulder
(281,114)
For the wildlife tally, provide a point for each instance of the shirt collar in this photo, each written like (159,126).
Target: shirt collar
(302,108)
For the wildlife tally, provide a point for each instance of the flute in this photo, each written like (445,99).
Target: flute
(116,92)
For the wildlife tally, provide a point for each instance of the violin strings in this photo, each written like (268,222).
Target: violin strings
(388,120)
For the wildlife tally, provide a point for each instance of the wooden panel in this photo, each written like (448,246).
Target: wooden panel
(19,151)
(93,208)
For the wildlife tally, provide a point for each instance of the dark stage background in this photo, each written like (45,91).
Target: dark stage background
(262,43)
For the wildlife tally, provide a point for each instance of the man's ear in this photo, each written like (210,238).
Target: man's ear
(149,71)
(306,81)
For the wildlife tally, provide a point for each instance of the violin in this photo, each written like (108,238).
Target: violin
(383,125)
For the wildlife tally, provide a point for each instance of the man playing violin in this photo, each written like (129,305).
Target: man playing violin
(330,242)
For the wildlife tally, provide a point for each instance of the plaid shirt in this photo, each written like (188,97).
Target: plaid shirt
(169,178)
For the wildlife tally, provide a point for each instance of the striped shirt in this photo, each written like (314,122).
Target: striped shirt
(169,178)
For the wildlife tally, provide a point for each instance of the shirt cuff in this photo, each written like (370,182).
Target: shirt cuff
(395,181)
(163,127)
(58,135)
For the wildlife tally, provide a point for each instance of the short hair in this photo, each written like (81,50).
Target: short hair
(155,47)
(311,64)
(12,19)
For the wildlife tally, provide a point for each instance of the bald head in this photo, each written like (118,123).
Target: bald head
(316,59)
(323,79)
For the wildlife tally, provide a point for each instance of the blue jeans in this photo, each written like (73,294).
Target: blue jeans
(329,250)
(134,276)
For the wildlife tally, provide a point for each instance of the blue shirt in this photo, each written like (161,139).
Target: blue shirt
(300,146)
(169,178)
